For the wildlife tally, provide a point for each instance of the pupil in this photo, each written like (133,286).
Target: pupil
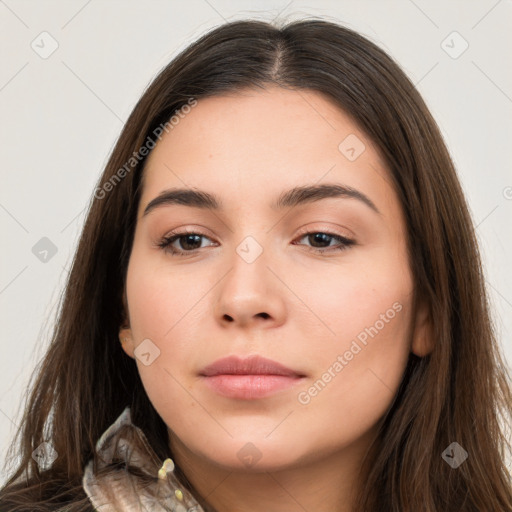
(188,238)
(321,237)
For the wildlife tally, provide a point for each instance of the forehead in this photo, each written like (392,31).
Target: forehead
(253,144)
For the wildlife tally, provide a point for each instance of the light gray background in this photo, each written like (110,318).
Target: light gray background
(61,115)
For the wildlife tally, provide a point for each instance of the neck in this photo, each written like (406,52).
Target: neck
(326,483)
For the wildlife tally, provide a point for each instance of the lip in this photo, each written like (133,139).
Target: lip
(249,378)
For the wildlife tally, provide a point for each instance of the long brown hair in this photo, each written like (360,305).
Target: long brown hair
(460,392)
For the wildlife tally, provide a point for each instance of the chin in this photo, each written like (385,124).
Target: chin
(253,456)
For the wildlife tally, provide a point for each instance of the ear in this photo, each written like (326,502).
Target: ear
(422,339)
(125,333)
(126,339)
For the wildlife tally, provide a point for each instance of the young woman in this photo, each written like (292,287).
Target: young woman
(277,301)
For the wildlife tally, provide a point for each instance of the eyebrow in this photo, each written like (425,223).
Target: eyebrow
(196,198)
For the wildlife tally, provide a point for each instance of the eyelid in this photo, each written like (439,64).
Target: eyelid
(189,230)
(193,230)
(325,229)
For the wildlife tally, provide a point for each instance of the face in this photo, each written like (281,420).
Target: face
(321,285)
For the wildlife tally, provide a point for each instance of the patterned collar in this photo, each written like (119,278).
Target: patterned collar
(129,475)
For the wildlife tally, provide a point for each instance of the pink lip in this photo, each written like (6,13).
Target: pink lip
(250,378)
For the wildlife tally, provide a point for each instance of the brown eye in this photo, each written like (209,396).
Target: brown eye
(320,241)
(188,241)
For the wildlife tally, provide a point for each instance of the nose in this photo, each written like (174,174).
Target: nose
(250,294)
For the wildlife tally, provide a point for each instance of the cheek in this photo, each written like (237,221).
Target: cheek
(360,360)
(160,307)
(161,300)
(342,300)
(160,310)
(358,375)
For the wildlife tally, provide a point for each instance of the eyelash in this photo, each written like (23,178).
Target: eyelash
(166,241)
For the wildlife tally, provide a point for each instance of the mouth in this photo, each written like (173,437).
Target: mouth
(250,378)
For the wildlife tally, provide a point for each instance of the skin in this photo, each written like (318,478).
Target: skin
(247,148)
